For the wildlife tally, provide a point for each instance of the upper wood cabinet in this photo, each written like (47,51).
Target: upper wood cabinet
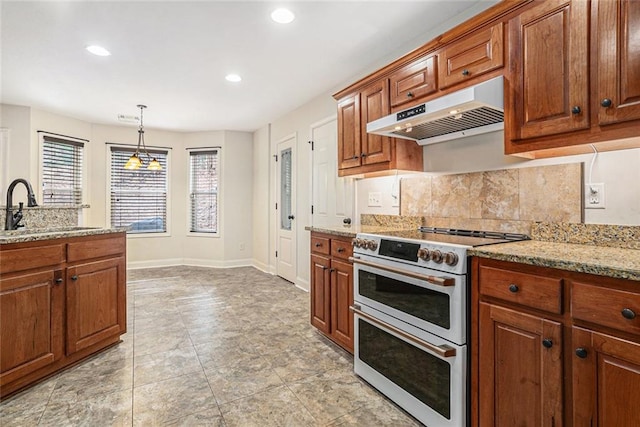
(548,73)
(617,25)
(471,56)
(414,81)
(360,152)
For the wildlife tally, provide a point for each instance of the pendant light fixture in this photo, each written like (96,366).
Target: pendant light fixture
(135,161)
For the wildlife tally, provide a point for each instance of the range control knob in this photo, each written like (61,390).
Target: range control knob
(423,253)
(436,256)
(450,258)
(372,245)
(354,243)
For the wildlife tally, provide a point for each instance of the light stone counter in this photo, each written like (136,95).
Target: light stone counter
(351,230)
(36,234)
(620,263)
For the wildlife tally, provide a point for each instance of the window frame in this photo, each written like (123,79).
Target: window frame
(138,235)
(84,181)
(206,234)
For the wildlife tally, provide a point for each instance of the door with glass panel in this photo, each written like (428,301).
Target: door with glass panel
(285,209)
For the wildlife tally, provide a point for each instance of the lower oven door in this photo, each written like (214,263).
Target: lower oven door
(425,377)
(413,295)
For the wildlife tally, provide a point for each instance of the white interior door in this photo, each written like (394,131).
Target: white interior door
(285,209)
(332,197)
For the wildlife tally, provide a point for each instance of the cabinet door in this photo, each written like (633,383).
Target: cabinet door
(374,105)
(606,380)
(96,308)
(349,132)
(520,369)
(618,55)
(320,292)
(413,81)
(341,300)
(548,75)
(472,56)
(31,315)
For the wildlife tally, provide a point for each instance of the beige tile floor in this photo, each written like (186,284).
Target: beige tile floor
(210,347)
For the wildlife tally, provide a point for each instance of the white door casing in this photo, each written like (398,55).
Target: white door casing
(332,197)
(285,210)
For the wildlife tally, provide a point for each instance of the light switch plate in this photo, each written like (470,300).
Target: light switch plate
(375,199)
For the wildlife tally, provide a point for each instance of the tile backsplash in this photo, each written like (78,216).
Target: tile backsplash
(508,200)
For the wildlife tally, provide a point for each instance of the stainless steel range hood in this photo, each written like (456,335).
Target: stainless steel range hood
(470,111)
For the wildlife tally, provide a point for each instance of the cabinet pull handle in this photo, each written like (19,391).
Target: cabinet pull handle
(627,313)
(74,277)
(581,352)
(58,280)
(465,72)
(514,288)
(409,95)
(576,109)
(606,103)
(547,343)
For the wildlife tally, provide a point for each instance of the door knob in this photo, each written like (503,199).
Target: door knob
(291,217)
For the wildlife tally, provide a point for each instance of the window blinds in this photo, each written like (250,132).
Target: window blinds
(61,171)
(138,197)
(204,168)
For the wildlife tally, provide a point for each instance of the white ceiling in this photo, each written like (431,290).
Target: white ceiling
(173,56)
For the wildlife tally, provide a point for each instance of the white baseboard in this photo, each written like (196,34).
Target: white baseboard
(217,263)
(135,265)
(265,268)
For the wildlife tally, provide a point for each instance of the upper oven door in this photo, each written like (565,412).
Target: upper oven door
(430,300)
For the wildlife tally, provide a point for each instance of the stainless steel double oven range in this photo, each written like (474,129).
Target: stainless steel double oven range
(411,300)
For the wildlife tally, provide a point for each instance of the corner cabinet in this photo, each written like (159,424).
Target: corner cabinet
(331,288)
(60,301)
(551,347)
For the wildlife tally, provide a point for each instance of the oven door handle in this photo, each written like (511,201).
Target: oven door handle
(435,280)
(438,350)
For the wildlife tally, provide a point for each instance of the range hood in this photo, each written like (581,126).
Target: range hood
(470,111)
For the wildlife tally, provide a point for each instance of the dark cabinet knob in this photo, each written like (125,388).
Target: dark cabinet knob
(332,270)
(606,102)
(355,157)
(317,245)
(74,277)
(547,343)
(514,288)
(340,250)
(627,313)
(465,72)
(363,155)
(291,217)
(581,352)
(576,110)
(409,95)
(324,268)
(58,280)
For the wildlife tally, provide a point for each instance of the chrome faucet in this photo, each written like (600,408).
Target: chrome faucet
(12,221)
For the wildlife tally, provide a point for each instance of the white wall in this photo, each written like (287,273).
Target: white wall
(261,207)
(234,245)
(19,151)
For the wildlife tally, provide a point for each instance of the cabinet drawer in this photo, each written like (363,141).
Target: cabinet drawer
(320,245)
(413,81)
(27,258)
(95,248)
(472,56)
(341,249)
(540,292)
(604,306)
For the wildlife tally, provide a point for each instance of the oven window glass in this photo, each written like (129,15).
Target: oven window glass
(422,303)
(424,376)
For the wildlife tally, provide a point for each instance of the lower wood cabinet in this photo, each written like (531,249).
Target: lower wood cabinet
(573,360)
(55,312)
(331,288)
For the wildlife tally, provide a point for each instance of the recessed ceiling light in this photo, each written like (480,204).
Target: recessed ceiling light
(282,16)
(233,78)
(98,50)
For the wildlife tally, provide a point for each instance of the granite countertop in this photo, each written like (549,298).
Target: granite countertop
(35,234)
(600,260)
(351,230)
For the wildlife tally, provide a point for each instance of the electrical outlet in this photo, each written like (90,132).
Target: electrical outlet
(375,199)
(594,196)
